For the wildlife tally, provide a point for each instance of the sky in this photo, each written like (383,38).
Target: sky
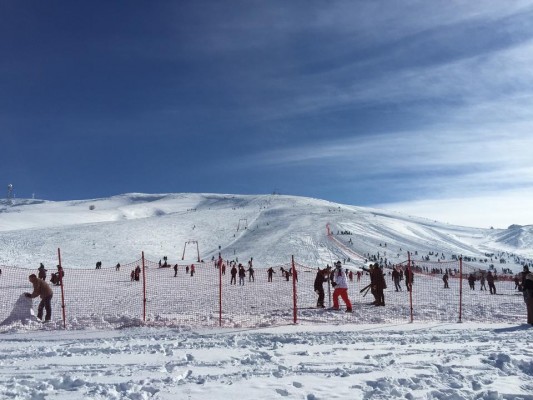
(419,107)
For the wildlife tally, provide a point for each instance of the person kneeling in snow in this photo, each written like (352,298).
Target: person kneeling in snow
(41,288)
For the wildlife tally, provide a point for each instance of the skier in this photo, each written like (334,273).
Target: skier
(176,270)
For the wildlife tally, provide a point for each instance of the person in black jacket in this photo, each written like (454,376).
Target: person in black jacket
(396,279)
(233,271)
(445,280)
(321,277)
(472,281)
(528,295)
(42,272)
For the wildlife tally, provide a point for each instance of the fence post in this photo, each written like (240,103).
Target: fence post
(60,273)
(410,283)
(144,289)
(198,250)
(294,295)
(220,262)
(460,289)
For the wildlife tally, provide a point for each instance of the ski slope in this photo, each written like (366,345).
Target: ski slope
(275,227)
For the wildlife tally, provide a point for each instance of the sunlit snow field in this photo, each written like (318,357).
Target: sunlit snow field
(181,353)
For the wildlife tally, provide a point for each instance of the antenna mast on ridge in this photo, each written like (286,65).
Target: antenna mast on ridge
(10,193)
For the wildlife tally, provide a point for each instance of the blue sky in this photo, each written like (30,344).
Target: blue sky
(421,107)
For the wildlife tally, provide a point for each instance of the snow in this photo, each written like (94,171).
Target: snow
(181,353)
(412,361)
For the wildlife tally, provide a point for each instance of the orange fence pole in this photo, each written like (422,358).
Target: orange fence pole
(60,273)
(144,289)
(460,288)
(294,295)
(220,262)
(410,284)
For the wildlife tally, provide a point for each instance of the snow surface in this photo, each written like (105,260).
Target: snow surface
(344,356)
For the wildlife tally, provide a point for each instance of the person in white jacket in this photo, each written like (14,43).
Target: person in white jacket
(341,287)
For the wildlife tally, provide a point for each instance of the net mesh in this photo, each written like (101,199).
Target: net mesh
(208,294)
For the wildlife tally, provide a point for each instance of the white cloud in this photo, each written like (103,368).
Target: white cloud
(498,210)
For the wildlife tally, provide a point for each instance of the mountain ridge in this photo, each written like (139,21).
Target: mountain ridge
(269,228)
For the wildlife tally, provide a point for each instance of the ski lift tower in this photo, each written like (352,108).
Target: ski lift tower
(10,193)
(197,248)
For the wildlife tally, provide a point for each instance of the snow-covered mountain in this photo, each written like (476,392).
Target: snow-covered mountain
(269,228)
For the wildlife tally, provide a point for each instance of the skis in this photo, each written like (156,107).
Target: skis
(366,289)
